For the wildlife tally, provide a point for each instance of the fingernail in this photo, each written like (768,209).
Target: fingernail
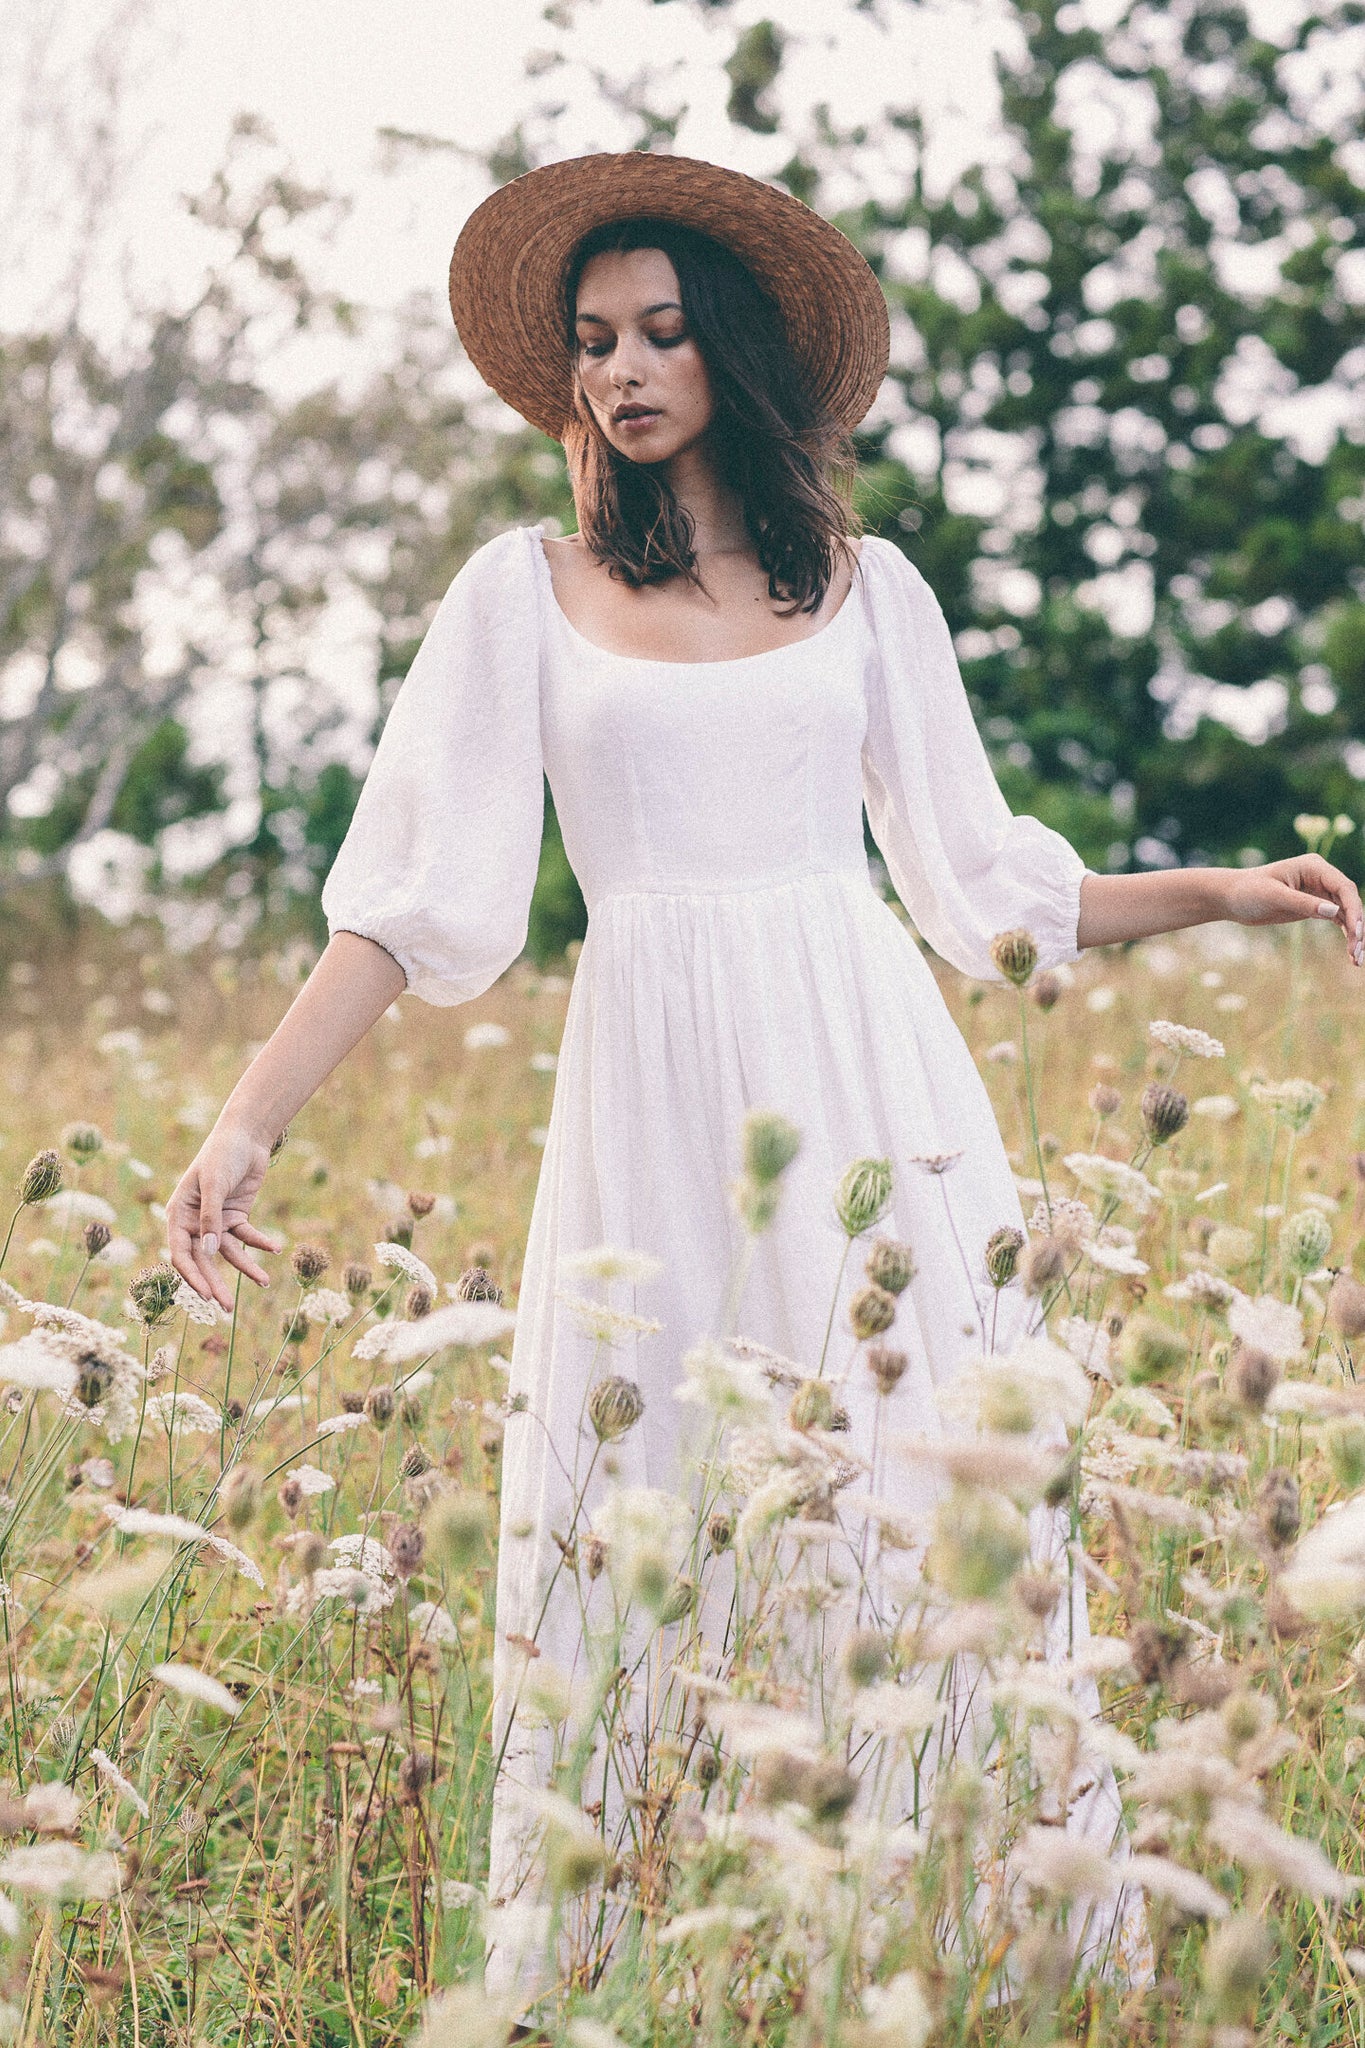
(1327,910)
(210,1244)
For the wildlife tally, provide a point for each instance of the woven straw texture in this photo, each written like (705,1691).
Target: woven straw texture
(508,271)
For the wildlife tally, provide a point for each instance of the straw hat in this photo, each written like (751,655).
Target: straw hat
(508,272)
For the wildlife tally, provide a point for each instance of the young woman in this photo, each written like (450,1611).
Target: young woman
(716,677)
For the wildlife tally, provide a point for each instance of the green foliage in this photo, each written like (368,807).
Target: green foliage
(162,786)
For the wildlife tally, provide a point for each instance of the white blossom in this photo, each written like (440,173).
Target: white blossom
(1183,1038)
(325,1305)
(197,1307)
(311,1480)
(733,1388)
(1268,1325)
(486,1036)
(1113,1180)
(51,1808)
(457,1326)
(606,1325)
(396,1258)
(112,1775)
(1219,1109)
(80,1205)
(606,1263)
(338,1425)
(1115,1258)
(1297,1865)
(1185,1889)
(434,1624)
(1088,1343)
(59,1870)
(198,1686)
(183,1411)
(364,1554)
(32,1362)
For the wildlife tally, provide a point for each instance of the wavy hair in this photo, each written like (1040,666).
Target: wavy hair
(788,461)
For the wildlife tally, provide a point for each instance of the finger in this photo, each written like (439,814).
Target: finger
(180,1242)
(1341,901)
(237,1255)
(249,1234)
(210,1216)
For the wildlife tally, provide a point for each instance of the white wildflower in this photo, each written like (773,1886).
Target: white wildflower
(644,1530)
(993,1460)
(434,1624)
(197,1307)
(1002,1054)
(457,1326)
(1296,1865)
(1054,1860)
(1274,1327)
(606,1263)
(79,1205)
(325,1305)
(112,1775)
(311,1480)
(706,1920)
(1113,1180)
(1184,1889)
(1115,1258)
(753,1728)
(898,2014)
(897,1710)
(276,1404)
(366,1595)
(184,1412)
(198,1686)
(338,1425)
(1019,1390)
(1203,1290)
(1219,1109)
(486,1036)
(120,1251)
(144,1522)
(1089,1344)
(603,1324)
(1166,1510)
(1068,1218)
(734,1388)
(1184,1039)
(32,1362)
(59,1870)
(363,1554)
(51,1808)
(1140,1404)
(1296,1100)
(396,1258)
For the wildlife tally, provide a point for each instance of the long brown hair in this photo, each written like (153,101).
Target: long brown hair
(789,463)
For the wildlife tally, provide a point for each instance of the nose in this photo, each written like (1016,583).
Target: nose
(625,365)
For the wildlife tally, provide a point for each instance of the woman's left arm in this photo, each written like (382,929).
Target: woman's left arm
(1119,907)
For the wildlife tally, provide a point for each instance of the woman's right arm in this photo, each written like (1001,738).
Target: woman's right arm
(208,1215)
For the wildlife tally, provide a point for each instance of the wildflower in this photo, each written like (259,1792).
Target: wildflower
(59,1870)
(1305,1241)
(356,1279)
(1204,1290)
(1274,1327)
(1346,1307)
(1003,1247)
(41,1178)
(198,1686)
(1042,1265)
(642,1528)
(1165,1112)
(1116,1258)
(1230,1246)
(1047,989)
(1237,1957)
(311,1481)
(887,1367)
(871,1311)
(418,1303)
(420,1205)
(1289,1861)
(605,1325)
(1088,1344)
(937,1163)
(291,1496)
(113,1776)
(1112,1180)
(83,1141)
(727,1382)
(1015,954)
(996,1461)
(379,1406)
(1295,1101)
(476,1284)
(325,1305)
(890,1265)
(406,1546)
(1105,1100)
(979,1542)
(862,1194)
(1277,1506)
(770,1143)
(812,1406)
(414,1462)
(72,1205)
(1055,1860)
(602,1262)
(865,1657)
(184,1412)
(153,1293)
(1068,1219)
(1151,1350)
(486,1036)
(1184,1039)
(396,1258)
(1035,1384)
(615,1405)
(96,1237)
(36,1362)
(143,1522)
(1184,1889)
(338,1425)
(240,1494)
(460,1325)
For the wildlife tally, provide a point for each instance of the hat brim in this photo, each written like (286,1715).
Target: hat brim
(507,275)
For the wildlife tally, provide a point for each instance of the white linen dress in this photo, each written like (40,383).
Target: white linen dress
(737,956)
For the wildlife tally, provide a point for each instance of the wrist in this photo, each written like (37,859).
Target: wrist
(1216,891)
(245,1120)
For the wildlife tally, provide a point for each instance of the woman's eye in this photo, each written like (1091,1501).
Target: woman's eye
(594,348)
(668,340)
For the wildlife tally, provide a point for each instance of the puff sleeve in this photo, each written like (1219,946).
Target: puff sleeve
(962,865)
(441,855)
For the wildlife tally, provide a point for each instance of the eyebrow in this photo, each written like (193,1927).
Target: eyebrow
(664,306)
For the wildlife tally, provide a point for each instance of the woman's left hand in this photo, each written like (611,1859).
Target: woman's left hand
(1285,891)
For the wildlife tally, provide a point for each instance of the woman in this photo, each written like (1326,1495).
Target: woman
(715,677)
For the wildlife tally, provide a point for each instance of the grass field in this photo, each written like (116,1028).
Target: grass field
(244,1776)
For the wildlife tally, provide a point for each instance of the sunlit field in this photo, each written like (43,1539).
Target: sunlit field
(245,1726)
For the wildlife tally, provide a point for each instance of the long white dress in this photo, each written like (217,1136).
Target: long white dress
(737,956)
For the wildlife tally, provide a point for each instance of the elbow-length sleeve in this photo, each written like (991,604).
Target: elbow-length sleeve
(441,855)
(964,867)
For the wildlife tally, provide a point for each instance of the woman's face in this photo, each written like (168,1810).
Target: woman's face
(640,369)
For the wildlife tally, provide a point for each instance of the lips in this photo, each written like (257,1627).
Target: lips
(627,415)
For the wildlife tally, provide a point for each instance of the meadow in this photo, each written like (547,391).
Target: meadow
(248,1563)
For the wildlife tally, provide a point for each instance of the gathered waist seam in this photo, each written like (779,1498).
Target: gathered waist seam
(704,892)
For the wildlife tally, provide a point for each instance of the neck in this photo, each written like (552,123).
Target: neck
(715,511)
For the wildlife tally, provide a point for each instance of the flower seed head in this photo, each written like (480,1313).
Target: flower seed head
(1237,1956)
(379,1406)
(152,1293)
(291,1497)
(1252,1377)
(886,1366)
(1047,989)
(356,1279)
(812,1405)
(1003,1247)
(240,1494)
(615,1405)
(83,1141)
(829,1790)
(418,1303)
(720,1531)
(421,1205)
(1015,954)
(310,1262)
(1151,1350)
(890,1265)
(294,1327)
(477,1284)
(41,1178)
(1104,1100)
(406,1546)
(310,1551)
(1277,1505)
(1346,1307)
(770,1145)
(871,1311)
(1165,1111)
(866,1657)
(280,1143)
(1042,1265)
(415,1773)
(95,1237)
(456,1526)
(414,1462)
(1305,1241)
(593,1551)
(862,1194)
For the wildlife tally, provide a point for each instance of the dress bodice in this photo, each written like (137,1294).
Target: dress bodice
(705,776)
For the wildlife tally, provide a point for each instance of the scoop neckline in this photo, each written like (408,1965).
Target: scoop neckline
(661,661)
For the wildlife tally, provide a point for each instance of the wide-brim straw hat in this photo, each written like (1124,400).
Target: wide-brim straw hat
(508,274)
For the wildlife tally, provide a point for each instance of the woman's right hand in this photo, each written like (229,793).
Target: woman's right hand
(208,1215)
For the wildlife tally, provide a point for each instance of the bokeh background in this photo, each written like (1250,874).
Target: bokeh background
(1123,434)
